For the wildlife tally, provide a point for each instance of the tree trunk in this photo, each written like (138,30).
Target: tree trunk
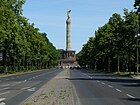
(109,64)
(95,66)
(118,63)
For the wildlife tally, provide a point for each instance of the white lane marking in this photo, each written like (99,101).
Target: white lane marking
(118,90)
(32,89)
(89,77)
(76,96)
(25,88)
(85,74)
(98,81)
(5,88)
(2,99)
(110,86)
(2,103)
(4,85)
(24,80)
(18,82)
(5,93)
(130,96)
(103,83)
(14,84)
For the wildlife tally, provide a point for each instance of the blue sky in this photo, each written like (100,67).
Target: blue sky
(86,16)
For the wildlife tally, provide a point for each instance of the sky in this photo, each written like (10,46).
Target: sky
(86,16)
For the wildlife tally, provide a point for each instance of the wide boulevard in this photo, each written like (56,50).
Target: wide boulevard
(98,88)
(17,88)
(92,88)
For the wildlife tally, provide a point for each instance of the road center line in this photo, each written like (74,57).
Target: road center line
(4,88)
(130,96)
(118,90)
(2,103)
(24,80)
(2,99)
(4,85)
(110,86)
(5,93)
(103,83)
(25,88)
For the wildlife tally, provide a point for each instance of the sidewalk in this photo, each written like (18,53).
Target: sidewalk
(58,91)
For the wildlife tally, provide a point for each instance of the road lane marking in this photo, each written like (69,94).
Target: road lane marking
(2,103)
(4,85)
(32,89)
(5,93)
(24,80)
(2,99)
(90,77)
(18,82)
(110,86)
(4,88)
(103,83)
(85,74)
(130,96)
(25,88)
(76,96)
(118,90)
(98,81)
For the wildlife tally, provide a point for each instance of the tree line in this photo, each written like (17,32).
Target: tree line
(22,46)
(113,47)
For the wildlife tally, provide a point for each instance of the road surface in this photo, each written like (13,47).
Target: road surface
(98,88)
(16,88)
(92,88)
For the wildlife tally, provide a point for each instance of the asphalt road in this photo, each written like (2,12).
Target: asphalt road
(16,88)
(98,88)
(92,88)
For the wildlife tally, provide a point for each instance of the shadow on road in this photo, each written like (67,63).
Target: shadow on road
(132,85)
(131,99)
(102,76)
(80,78)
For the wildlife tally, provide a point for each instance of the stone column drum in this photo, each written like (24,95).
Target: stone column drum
(68,36)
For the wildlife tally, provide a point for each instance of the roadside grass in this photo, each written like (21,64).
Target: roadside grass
(122,73)
(126,74)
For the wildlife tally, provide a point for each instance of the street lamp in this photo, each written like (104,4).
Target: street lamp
(137,35)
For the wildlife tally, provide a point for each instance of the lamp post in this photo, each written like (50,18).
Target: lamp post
(137,7)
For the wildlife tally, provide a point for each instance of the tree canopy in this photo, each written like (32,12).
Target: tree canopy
(113,47)
(21,44)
